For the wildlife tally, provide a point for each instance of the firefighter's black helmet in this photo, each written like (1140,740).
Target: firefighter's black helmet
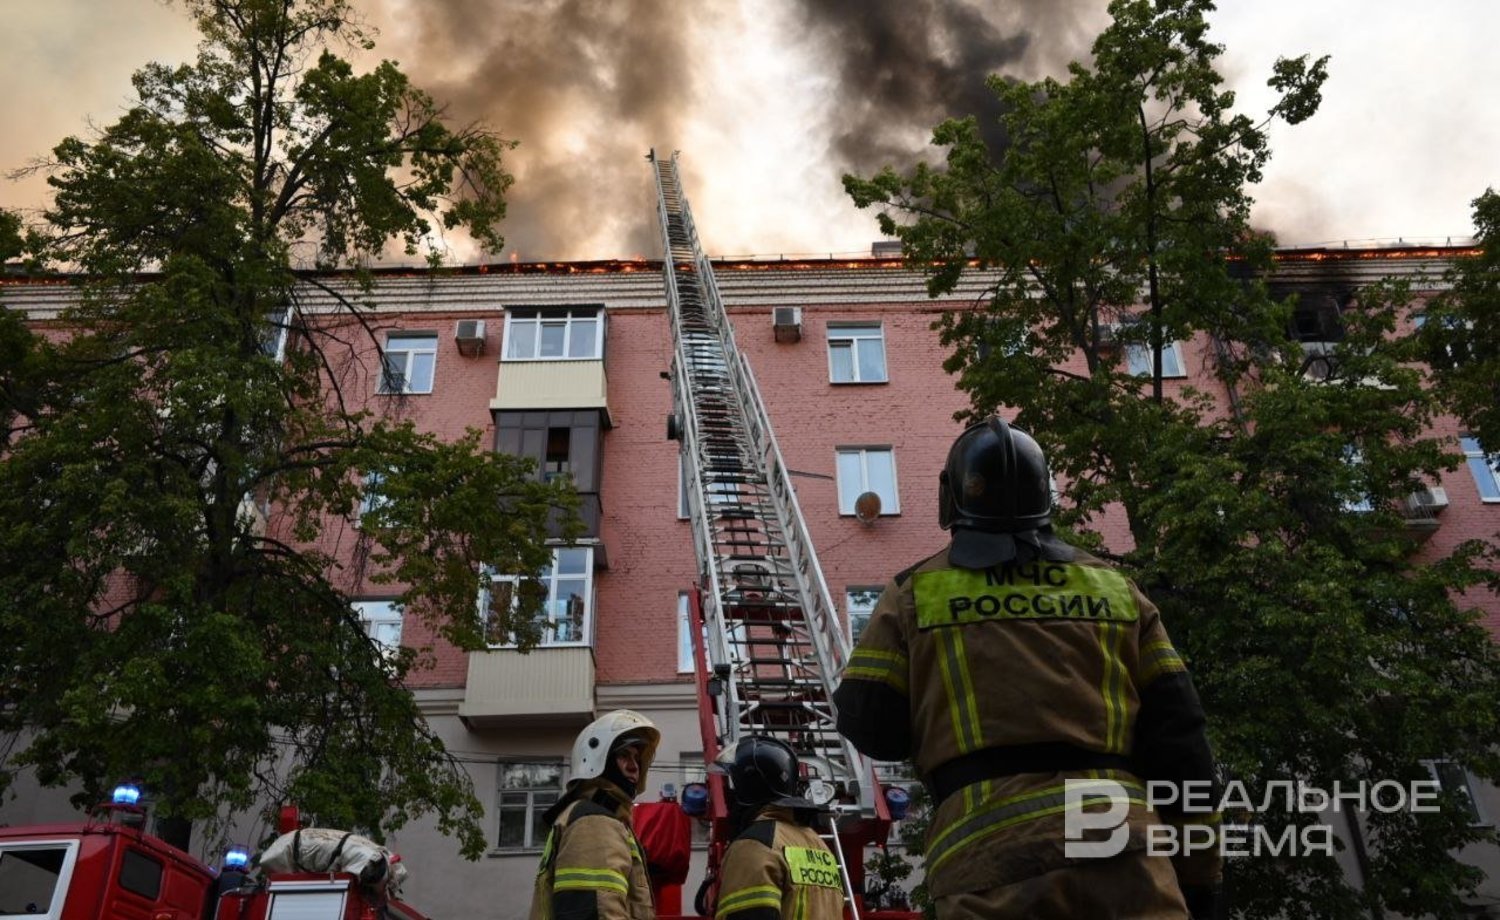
(995,483)
(763,771)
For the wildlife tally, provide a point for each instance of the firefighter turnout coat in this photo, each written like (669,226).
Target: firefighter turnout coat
(778,868)
(592,867)
(1012,681)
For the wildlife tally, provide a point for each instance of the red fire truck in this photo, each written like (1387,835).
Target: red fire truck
(111,868)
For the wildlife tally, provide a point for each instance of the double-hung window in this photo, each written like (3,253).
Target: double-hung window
(856,354)
(566,588)
(1485,468)
(408,362)
(574,333)
(1139,358)
(526,791)
(1453,779)
(867,469)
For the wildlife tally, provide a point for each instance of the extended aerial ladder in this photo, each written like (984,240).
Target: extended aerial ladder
(767,637)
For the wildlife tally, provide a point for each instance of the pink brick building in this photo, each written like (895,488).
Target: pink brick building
(593,403)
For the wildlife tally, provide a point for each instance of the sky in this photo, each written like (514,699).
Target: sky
(770,101)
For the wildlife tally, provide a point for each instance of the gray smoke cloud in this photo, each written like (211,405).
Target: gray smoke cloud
(587,86)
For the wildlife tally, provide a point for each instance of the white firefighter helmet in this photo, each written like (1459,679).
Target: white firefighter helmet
(592,749)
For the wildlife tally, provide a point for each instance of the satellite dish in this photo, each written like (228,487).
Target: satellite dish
(867,507)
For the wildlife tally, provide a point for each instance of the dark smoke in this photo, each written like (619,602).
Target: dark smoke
(906,65)
(588,86)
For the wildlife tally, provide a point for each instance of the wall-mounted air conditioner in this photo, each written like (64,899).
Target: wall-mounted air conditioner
(1431,499)
(469,334)
(786,322)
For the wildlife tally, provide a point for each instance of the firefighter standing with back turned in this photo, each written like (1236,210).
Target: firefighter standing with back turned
(777,867)
(592,867)
(1008,664)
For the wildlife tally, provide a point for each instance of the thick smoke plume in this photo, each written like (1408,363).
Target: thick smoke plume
(588,86)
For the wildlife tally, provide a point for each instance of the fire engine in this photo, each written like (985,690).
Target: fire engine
(111,868)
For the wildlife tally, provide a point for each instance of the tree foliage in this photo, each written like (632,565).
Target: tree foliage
(1264,509)
(177,481)
(1460,339)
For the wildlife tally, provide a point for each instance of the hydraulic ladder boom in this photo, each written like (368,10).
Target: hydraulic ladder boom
(775,645)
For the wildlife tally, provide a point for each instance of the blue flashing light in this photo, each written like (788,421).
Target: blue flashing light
(897,801)
(695,799)
(236,858)
(127,794)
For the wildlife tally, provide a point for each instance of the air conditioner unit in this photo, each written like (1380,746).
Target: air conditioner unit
(469,334)
(786,322)
(1430,499)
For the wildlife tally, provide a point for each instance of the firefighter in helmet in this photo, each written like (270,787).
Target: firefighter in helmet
(1021,663)
(592,867)
(777,866)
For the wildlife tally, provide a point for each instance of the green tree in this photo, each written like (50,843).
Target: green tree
(1460,339)
(1115,223)
(173,603)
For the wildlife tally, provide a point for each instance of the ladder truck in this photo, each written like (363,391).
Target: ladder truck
(767,640)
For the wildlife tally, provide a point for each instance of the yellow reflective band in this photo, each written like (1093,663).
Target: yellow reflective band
(590,880)
(812,867)
(1158,658)
(1112,687)
(888,668)
(799,904)
(1019,809)
(749,898)
(961,704)
(546,851)
(1032,591)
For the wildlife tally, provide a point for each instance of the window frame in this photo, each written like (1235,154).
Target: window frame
(64,876)
(847,509)
(1480,819)
(553,577)
(845,332)
(850,609)
(388,351)
(1143,349)
(537,316)
(1476,459)
(394,613)
(685,635)
(532,810)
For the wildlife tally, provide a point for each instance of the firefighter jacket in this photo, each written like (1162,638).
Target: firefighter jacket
(1012,681)
(779,868)
(592,867)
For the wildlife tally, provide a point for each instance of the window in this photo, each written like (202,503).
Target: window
(1453,779)
(1359,501)
(1485,468)
(408,362)
(141,874)
(555,461)
(31,876)
(1139,358)
(566,587)
(554,335)
(371,497)
(867,469)
(856,354)
(859,603)
(684,635)
(273,343)
(382,622)
(526,791)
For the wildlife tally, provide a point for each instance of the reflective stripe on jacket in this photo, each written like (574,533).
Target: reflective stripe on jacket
(779,869)
(1046,652)
(592,867)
